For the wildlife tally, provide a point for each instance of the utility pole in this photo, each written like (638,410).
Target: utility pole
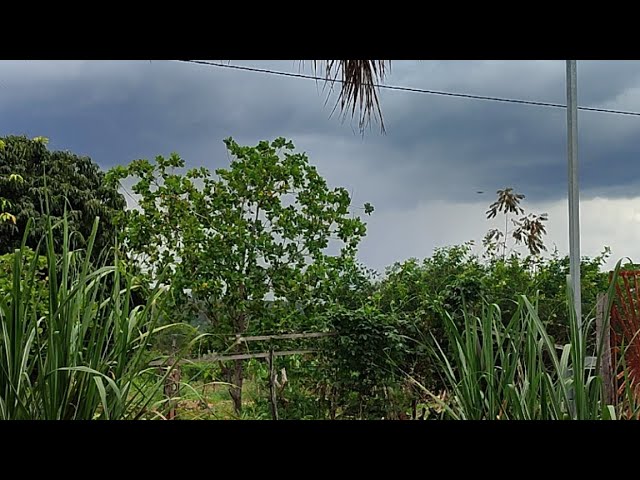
(574,195)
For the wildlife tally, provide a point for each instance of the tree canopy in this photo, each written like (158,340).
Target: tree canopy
(67,180)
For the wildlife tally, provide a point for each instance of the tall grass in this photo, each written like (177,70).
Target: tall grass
(509,369)
(83,354)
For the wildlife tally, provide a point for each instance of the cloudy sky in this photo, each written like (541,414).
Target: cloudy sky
(422,176)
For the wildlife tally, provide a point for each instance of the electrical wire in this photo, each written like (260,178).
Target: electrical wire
(413,90)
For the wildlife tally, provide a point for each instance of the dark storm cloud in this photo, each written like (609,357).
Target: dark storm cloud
(490,145)
(436,147)
(422,176)
(124,110)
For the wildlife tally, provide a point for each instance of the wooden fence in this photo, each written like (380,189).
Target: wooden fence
(172,381)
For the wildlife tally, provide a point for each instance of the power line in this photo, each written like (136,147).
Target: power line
(413,90)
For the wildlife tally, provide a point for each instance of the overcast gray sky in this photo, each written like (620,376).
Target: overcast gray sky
(422,176)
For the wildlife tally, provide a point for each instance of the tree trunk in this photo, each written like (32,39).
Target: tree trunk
(235,374)
(236,377)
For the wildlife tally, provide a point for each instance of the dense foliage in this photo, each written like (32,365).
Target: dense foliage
(29,172)
(261,247)
(384,344)
(249,247)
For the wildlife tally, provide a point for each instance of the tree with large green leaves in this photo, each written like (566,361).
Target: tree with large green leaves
(29,172)
(255,247)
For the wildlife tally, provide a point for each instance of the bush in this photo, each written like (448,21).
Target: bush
(360,364)
(298,398)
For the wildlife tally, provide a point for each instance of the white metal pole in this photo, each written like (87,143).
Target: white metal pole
(574,194)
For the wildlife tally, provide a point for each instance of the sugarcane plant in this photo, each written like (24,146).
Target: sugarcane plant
(72,343)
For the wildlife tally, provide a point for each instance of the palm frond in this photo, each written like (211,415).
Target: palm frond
(359,80)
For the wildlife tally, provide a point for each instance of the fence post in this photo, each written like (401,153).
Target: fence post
(172,383)
(603,334)
(272,385)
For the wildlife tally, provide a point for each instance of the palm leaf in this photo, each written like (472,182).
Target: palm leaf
(359,80)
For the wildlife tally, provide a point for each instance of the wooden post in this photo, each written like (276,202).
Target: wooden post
(603,334)
(172,387)
(172,383)
(272,385)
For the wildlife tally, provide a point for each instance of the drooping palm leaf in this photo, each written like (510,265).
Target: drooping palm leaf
(358,91)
